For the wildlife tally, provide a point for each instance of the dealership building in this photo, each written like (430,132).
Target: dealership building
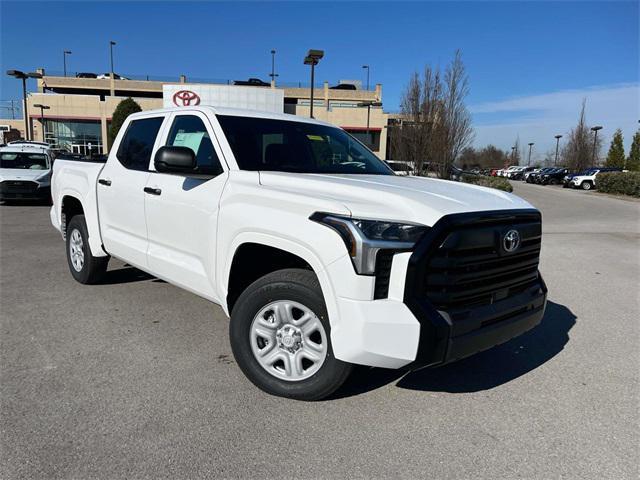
(80,109)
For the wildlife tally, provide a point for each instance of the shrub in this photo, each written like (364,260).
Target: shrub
(620,183)
(492,182)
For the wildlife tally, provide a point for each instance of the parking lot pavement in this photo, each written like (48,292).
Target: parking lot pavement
(135,378)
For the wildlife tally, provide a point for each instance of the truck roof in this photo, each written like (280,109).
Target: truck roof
(236,112)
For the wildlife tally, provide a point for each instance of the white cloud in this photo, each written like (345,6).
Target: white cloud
(538,118)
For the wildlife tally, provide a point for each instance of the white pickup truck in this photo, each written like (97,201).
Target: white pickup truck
(320,254)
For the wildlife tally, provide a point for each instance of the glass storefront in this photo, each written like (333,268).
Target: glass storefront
(76,136)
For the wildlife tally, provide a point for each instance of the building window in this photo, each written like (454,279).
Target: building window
(76,136)
(371,139)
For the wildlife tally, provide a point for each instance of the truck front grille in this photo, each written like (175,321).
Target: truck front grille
(18,186)
(470,267)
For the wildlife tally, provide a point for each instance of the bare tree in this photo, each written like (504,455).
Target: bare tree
(577,153)
(434,125)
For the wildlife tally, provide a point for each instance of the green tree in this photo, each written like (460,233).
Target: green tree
(615,157)
(633,161)
(125,108)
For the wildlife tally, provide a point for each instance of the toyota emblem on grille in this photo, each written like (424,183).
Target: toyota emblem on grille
(185,98)
(511,241)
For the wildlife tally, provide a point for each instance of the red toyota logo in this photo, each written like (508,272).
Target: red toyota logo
(184,98)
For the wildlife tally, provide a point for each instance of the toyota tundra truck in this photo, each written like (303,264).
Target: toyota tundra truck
(320,255)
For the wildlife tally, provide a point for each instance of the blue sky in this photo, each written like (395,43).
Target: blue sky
(529,63)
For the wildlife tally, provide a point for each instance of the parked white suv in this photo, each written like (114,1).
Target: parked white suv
(320,254)
(25,171)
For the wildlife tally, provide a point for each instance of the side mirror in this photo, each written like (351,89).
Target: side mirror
(175,160)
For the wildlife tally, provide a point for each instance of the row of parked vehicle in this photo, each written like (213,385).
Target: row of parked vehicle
(585,179)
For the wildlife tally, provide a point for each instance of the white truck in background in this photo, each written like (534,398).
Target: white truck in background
(320,254)
(25,171)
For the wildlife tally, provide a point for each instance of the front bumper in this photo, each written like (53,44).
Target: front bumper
(407,330)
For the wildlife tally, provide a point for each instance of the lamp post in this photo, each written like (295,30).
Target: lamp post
(368,70)
(312,58)
(529,161)
(273,68)
(111,44)
(64,60)
(42,109)
(595,141)
(23,76)
(513,154)
(557,137)
(369,104)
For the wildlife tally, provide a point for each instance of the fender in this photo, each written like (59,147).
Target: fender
(295,248)
(91,218)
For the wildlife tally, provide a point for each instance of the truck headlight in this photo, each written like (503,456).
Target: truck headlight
(364,238)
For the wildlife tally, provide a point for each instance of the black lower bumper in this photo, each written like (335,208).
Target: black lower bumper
(454,336)
(515,317)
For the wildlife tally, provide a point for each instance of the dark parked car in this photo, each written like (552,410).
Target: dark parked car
(554,177)
(533,178)
(86,75)
(252,82)
(344,86)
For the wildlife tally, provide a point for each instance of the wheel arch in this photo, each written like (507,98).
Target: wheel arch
(282,253)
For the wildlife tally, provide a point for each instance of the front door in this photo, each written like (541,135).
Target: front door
(121,192)
(182,210)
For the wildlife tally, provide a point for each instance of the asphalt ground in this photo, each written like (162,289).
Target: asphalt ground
(134,378)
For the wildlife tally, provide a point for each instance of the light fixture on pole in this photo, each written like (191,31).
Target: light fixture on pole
(64,60)
(368,70)
(23,76)
(369,104)
(595,142)
(312,58)
(557,137)
(42,109)
(111,44)
(273,74)
(513,154)
(529,161)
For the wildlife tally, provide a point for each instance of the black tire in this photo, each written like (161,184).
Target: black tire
(93,268)
(295,285)
(586,185)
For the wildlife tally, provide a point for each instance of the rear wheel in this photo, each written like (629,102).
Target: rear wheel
(280,337)
(84,267)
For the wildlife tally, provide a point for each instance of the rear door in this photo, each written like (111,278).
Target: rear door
(120,191)
(182,209)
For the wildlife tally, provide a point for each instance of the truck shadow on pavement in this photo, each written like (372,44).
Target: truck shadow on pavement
(483,371)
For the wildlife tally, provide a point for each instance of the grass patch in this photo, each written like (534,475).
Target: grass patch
(492,182)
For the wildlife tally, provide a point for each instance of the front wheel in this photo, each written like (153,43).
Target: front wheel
(280,337)
(587,185)
(84,267)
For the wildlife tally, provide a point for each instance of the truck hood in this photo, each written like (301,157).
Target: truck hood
(394,197)
(20,174)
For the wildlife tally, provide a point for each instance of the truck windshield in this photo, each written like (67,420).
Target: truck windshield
(23,160)
(290,146)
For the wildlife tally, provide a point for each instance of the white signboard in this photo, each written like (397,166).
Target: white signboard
(253,98)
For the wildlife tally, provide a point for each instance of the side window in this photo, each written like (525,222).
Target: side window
(189,131)
(135,149)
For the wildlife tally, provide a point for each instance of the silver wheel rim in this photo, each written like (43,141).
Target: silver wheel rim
(288,340)
(76,251)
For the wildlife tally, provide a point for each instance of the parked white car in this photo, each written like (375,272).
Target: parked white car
(25,171)
(588,181)
(320,254)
